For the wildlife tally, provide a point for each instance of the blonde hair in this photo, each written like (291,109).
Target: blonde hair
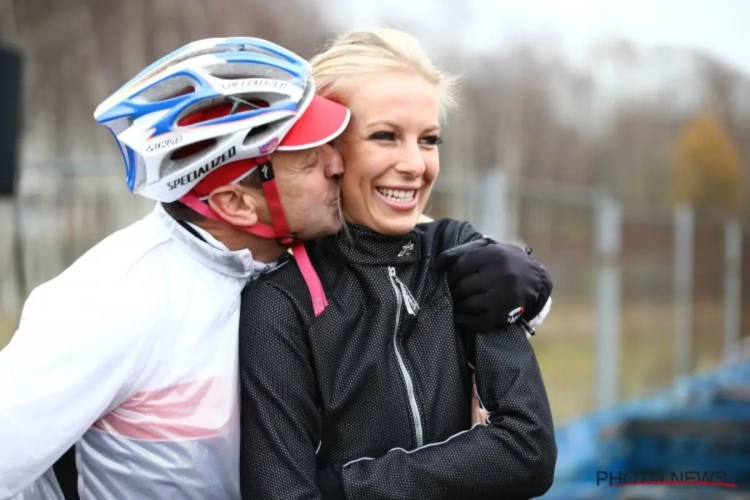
(366,51)
(361,52)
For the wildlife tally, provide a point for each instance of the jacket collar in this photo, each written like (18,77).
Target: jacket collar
(211,253)
(365,246)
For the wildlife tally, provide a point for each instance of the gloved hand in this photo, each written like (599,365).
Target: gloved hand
(494,284)
(330,483)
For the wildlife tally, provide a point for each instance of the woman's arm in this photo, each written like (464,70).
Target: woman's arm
(512,457)
(280,417)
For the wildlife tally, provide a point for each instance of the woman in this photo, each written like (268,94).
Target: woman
(371,399)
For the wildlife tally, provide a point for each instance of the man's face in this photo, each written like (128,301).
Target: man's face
(308,183)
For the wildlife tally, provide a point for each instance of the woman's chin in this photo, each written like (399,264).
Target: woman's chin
(397,225)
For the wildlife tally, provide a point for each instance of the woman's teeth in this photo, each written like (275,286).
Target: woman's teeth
(397,195)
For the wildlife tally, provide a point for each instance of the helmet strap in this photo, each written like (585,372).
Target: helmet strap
(280,231)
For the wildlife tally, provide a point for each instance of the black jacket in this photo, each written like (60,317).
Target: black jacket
(381,382)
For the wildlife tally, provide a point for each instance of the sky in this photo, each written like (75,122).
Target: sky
(719,27)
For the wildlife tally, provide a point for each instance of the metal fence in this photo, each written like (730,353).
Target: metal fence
(640,295)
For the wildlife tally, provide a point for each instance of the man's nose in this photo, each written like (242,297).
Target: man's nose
(334,163)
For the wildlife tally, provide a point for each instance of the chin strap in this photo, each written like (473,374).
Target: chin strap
(280,231)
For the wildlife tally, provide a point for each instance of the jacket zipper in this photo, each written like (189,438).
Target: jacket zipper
(403,296)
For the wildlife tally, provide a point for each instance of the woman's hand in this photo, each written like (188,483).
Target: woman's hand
(478,414)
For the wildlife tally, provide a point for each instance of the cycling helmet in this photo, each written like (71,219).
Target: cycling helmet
(210,113)
(210,103)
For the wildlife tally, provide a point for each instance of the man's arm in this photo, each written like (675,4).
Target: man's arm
(281,424)
(492,283)
(76,350)
(512,457)
(45,487)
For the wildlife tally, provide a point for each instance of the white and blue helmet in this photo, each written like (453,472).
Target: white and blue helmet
(261,90)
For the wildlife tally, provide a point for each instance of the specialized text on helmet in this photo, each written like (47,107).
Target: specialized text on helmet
(208,167)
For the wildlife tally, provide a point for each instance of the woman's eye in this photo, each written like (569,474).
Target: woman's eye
(383,136)
(433,140)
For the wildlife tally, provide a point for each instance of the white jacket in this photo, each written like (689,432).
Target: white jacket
(132,354)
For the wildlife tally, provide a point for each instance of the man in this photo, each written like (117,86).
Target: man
(131,353)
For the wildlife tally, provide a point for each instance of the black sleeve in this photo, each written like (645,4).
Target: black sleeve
(281,422)
(448,233)
(513,457)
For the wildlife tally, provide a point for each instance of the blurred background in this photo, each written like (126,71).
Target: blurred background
(613,137)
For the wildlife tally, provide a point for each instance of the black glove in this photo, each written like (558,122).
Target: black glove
(494,284)
(330,482)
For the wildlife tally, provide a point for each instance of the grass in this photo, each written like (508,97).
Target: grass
(566,347)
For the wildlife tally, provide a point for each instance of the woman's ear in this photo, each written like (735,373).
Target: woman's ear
(235,204)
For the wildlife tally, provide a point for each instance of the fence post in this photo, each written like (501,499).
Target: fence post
(8,286)
(732,288)
(609,227)
(684,234)
(494,204)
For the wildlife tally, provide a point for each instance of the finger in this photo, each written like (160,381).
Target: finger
(479,414)
(447,258)
(464,286)
(476,303)
(511,249)
(446,261)
(466,266)
(505,262)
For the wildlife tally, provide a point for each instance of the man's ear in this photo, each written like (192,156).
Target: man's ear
(237,206)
